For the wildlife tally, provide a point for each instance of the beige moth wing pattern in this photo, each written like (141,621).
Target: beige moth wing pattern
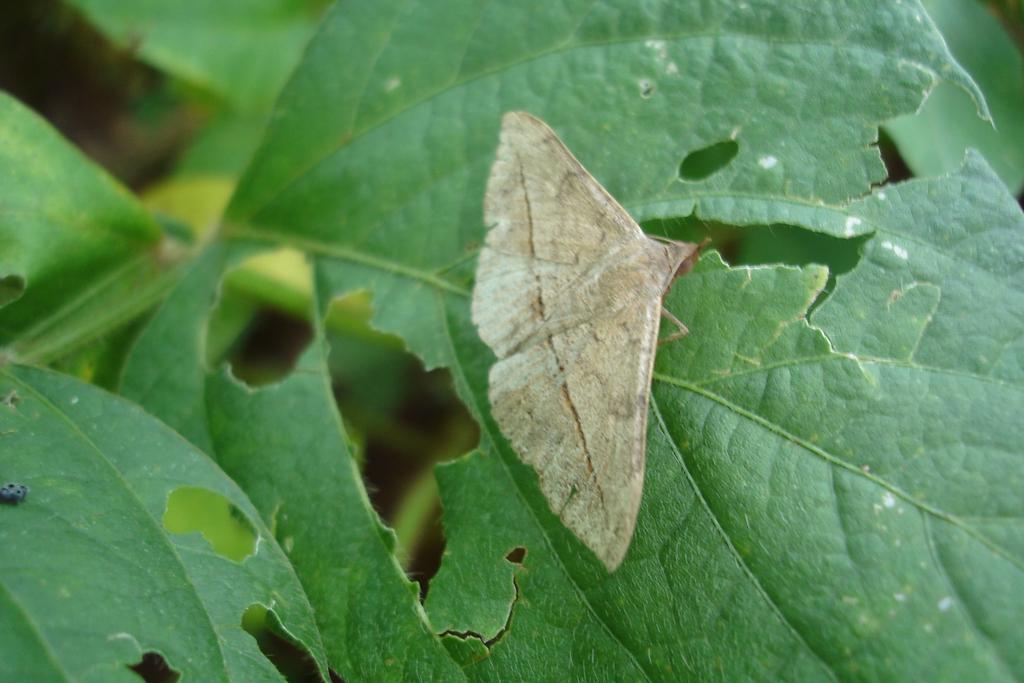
(568,295)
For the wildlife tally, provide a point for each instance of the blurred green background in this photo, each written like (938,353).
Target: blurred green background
(175,115)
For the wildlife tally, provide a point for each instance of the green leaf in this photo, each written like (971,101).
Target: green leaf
(933,141)
(809,512)
(240,50)
(73,243)
(90,577)
(285,445)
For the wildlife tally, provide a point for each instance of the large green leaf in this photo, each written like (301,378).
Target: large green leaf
(78,254)
(812,509)
(380,145)
(241,50)
(285,445)
(933,140)
(90,578)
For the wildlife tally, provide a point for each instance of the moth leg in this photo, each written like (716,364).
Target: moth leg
(681,331)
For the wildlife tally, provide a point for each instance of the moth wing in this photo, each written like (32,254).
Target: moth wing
(551,224)
(575,408)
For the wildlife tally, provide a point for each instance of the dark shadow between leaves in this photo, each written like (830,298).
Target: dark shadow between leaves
(260,321)
(402,420)
(762,245)
(288,656)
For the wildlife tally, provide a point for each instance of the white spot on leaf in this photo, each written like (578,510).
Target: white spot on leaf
(889,500)
(900,597)
(896,249)
(659,48)
(851,223)
(124,636)
(73,400)
(671,68)
(392,83)
(945,603)
(767,161)
(881,195)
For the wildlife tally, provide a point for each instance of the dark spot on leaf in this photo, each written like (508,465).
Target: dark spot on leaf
(153,668)
(288,656)
(646,88)
(516,555)
(226,528)
(12,494)
(705,162)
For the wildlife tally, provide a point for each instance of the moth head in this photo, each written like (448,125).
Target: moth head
(691,258)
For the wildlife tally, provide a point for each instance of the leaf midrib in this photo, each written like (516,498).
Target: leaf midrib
(836,461)
(758,586)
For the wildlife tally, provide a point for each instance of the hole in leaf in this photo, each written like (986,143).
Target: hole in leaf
(794,246)
(895,167)
(402,420)
(516,555)
(223,525)
(10,399)
(269,347)
(287,655)
(705,162)
(646,88)
(153,668)
(260,322)
(11,288)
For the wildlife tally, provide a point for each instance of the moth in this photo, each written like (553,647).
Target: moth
(568,295)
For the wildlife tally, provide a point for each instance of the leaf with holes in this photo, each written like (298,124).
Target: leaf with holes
(933,140)
(812,510)
(102,570)
(789,528)
(285,445)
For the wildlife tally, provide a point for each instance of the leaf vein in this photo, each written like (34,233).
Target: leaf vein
(838,462)
(940,566)
(744,567)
